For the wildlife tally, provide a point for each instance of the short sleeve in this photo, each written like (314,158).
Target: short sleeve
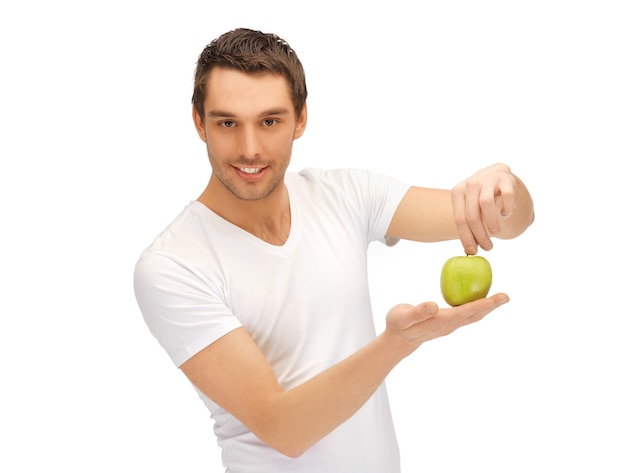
(387,193)
(375,197)
(183,310)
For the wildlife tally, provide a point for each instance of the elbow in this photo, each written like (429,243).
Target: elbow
(292,453)
(287,440)
(287,445)
(284,429)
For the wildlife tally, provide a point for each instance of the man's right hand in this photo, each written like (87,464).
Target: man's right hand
(412,325)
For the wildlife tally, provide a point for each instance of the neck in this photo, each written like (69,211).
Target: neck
(269,219)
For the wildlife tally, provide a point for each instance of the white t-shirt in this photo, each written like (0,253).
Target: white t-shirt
(305,303)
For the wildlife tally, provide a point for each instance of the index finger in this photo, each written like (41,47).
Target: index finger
(459,207)
(476,310)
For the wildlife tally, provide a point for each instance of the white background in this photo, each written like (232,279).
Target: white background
(98,153)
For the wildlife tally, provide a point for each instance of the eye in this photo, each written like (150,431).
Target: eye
(269,122)
(227,123)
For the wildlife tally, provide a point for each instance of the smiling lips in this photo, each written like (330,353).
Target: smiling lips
(250,173)
(251,170)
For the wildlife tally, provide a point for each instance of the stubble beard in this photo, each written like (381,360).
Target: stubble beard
(248,191)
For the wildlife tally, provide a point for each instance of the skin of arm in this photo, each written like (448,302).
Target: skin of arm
(234,373)
(492,202)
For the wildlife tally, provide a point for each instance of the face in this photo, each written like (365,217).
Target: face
(249,127)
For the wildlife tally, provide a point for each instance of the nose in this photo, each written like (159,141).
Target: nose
(249,143)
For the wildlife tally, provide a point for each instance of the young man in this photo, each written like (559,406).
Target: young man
(258,290)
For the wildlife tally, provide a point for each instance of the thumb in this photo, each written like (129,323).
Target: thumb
(404,316)
(424,311)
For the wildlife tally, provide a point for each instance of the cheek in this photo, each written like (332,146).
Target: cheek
(218,146)
(281,145)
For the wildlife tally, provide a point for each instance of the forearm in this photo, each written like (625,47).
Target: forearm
(491,203)
(234,373)
(298,418)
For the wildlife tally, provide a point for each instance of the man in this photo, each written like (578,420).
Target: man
(258,290)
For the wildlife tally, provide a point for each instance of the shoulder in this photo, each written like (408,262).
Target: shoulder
(340,177)
(348,181)
(312,174)
(184,231)
(178,247)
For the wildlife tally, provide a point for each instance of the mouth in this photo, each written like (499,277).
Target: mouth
(249,173)
(250,170)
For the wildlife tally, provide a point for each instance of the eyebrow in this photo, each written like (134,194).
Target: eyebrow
(266,113)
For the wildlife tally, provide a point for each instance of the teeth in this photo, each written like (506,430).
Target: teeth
(250,170)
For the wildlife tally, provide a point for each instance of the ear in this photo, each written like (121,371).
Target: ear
(300,123)
(198,123)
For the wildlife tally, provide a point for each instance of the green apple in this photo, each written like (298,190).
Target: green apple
(465,279)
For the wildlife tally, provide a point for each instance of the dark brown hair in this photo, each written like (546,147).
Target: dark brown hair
(251,52)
